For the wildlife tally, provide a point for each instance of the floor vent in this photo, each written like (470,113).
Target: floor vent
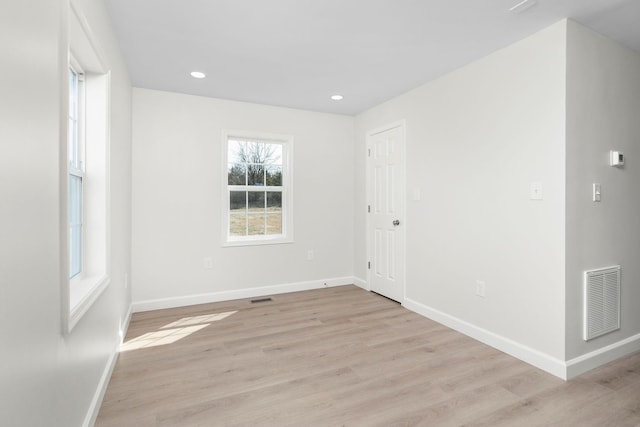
(601,302)
(253,301)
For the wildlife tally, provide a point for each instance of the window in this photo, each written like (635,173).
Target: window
(258,208)
(86,163)
(75,143)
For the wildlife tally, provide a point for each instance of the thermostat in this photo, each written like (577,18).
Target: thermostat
(617,158)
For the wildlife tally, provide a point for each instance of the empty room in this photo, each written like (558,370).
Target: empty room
(320,213)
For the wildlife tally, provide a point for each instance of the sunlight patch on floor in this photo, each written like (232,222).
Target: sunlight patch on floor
(174,331)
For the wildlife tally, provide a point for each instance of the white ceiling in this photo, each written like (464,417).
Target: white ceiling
(297,53)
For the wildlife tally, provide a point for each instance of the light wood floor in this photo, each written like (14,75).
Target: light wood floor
(342,357)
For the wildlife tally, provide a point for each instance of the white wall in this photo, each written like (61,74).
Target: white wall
(476,139)
(177,190)
(603,114)
(501,120)
(48,378)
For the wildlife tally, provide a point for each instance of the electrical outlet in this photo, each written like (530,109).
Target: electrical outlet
(310,255)
(535,192)
(481,288)
(208,263)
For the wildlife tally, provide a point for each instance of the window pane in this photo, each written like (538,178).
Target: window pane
(72,142)
(237,201)
(256,212)
(75,200)
(75,248)
(274,201)
(238,213)
(236,151)
(275,154)
(274,223)
(255,174)
(256,201)
(253,152)
(72,131)
(256,224)
(238,223)
(75,225)
(274,212)
(274,175)
(237,174)
(72,86)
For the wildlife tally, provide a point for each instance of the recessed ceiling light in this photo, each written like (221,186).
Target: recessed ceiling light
(337,97)
(198,74)
(522,6)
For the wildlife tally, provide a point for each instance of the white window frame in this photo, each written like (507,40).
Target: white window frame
(82,290)
(286,189)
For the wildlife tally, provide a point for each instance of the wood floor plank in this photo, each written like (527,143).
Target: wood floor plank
(341,357)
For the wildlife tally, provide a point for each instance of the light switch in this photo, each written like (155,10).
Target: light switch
(535,192)
(597,193)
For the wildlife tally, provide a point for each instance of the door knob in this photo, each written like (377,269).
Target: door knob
(396,222)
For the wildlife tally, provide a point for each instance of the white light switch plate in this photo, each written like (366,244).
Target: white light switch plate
(597,192)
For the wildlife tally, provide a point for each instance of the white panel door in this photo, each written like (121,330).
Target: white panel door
(386,211)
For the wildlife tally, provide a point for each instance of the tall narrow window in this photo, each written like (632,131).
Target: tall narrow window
(76,173)
(258,193)
(87,167)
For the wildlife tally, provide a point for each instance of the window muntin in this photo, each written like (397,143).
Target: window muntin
(76,173)
(258,208)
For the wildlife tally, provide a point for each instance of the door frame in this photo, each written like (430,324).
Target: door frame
(402,124)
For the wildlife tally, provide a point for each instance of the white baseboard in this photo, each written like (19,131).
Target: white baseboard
(602,356)
(534,357)
(361,283)
(181,301)
(96,402)
(565,370)
(124,326)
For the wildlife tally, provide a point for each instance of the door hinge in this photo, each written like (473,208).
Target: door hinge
(369,208)
(369,265)
(369,152)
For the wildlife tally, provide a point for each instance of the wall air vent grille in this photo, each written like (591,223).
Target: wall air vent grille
(601,302)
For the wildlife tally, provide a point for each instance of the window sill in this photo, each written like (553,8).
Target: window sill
(83,293)
(257,242)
